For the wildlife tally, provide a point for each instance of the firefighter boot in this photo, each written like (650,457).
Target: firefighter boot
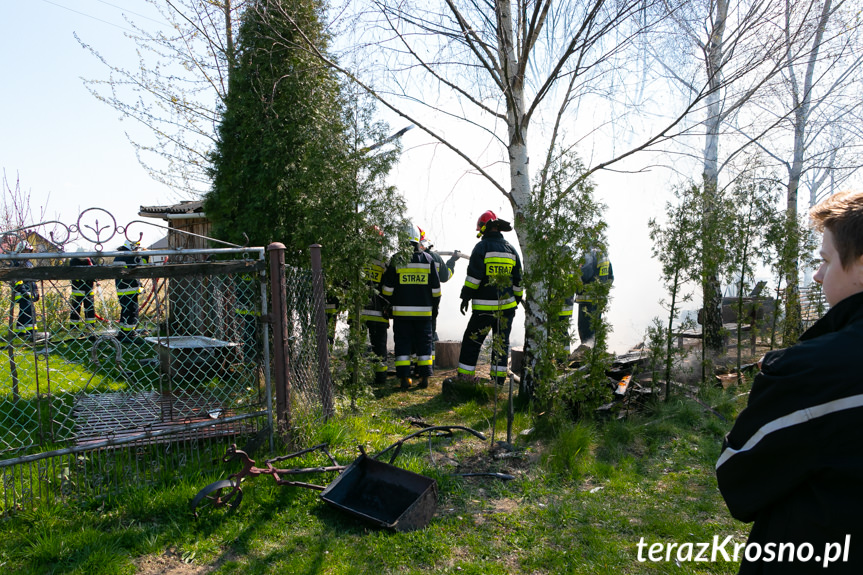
(424,382)
(405,382)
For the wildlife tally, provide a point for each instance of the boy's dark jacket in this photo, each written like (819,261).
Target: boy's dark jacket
(793,462)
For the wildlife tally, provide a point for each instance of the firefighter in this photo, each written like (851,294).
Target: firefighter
(82,296)
(560,329)
(127,292)
(445,271)
(412,287)
(332,307)
(375,313)
(26,293)
(493,288)
(596,268)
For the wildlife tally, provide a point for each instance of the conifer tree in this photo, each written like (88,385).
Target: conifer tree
(291,163)
(281,139)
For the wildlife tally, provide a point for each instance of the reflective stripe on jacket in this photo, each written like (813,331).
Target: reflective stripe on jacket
(81,288)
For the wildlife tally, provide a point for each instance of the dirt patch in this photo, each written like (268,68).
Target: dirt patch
(168,563)
(505,505)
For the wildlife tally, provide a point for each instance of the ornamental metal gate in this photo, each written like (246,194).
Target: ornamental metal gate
(131,367)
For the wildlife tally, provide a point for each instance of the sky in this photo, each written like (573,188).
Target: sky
(71,153)
(68,150)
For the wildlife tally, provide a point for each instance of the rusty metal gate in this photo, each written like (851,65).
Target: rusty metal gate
(123,367)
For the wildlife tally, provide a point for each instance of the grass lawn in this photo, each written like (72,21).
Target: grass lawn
(583,497)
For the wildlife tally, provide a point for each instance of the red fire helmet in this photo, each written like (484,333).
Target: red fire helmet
(486,217)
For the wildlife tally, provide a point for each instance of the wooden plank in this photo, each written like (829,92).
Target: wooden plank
(622,385)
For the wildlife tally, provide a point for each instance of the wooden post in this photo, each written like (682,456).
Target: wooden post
(279,319)
(320,297)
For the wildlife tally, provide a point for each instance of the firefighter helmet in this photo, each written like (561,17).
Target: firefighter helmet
(486,217)
(413,232)
(425,242)
(131,245)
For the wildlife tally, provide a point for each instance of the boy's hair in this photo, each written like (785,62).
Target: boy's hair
(842,214)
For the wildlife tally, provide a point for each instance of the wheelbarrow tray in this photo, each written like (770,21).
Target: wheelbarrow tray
(383,494)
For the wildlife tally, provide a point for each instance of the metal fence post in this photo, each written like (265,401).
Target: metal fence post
(279,319)
(320,296)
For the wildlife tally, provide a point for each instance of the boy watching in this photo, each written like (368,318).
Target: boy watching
(793,462)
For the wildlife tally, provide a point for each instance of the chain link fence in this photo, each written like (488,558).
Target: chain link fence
(122,374)
(307,407)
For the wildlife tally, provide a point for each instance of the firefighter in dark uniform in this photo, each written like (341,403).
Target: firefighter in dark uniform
(560,329)
(412,287)
(374,317)
(564,319)
(26,293)
(493,288)
(596,268)
(82,296)
(445,270)
(332,307)
(127,292)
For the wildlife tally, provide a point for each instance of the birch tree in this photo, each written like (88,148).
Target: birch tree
(814,116)
(500,68)
(178,89)
(731,45)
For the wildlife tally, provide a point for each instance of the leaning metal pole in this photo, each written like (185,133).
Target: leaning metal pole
(325,380)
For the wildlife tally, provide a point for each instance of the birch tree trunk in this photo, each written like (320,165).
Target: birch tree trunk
(802,100)
(711,319)
(519,175)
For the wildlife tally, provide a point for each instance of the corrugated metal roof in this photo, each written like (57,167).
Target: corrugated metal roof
(185,207)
